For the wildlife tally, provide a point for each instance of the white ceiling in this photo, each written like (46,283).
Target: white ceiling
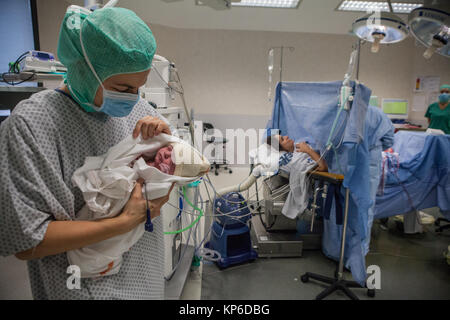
(315,16)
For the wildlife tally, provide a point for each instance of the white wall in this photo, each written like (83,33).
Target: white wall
(224,72)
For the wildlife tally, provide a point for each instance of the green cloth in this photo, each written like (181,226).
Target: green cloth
(444,86)
(116,41)
(440,119)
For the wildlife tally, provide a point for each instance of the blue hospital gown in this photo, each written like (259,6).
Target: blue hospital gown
(43,142)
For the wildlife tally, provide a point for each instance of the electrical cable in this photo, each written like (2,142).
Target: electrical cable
(181,93)
(212,215)
(181,255)
(169,277)
(14,68)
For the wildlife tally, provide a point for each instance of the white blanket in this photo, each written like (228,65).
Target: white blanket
(297,199)
(106,183)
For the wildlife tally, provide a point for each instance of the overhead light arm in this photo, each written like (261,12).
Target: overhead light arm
(390,6)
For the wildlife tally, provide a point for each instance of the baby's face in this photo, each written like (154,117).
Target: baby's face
(163,160)
(164,155)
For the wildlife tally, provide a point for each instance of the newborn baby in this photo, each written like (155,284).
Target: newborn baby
(176,159)
(163,160)
(107,181)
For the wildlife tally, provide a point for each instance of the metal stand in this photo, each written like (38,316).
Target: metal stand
(338,282)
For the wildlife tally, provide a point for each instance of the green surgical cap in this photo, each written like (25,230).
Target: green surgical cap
(116,41)
(445,86)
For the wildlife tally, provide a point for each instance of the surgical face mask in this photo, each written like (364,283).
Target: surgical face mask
(115,104)
(444,97)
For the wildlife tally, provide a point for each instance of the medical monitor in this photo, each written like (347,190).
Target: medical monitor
(18,32)
(395,108)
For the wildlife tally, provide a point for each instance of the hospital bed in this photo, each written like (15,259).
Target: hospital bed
(273,241)
(421,177)
(421,180)
(357,137)
(334,117)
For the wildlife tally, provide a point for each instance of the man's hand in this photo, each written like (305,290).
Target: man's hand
(149,127)
(303,147)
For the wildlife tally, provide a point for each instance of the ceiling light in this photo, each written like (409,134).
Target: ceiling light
(382,6)
(291,4)
(430,25)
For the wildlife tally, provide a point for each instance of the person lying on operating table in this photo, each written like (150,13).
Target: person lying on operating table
(286,144)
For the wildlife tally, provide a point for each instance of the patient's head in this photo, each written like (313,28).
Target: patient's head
(284,143)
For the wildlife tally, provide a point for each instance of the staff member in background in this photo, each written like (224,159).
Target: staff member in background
(108,54)
(438,113)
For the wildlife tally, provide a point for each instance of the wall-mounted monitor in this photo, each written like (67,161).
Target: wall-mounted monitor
(395,108)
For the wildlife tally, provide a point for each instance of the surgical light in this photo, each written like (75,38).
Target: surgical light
(380,28)
(430,25)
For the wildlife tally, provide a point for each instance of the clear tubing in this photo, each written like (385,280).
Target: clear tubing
(193,223)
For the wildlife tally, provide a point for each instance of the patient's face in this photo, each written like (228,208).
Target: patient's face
(286,144)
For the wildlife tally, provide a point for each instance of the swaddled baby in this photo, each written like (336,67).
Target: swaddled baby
(162,161)
(107,182)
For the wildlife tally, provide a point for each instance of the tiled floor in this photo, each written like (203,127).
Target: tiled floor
(412,267)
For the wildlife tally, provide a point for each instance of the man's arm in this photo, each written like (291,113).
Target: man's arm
(304,147)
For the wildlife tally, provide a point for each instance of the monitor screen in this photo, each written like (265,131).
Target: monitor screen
(395,108)
(19,32)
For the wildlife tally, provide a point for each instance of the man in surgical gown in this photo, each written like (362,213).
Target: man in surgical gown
(48,137)
(378,136)
(379,127)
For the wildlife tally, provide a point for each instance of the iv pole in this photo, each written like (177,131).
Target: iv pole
(291,49)
(281,70)
(358,46)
